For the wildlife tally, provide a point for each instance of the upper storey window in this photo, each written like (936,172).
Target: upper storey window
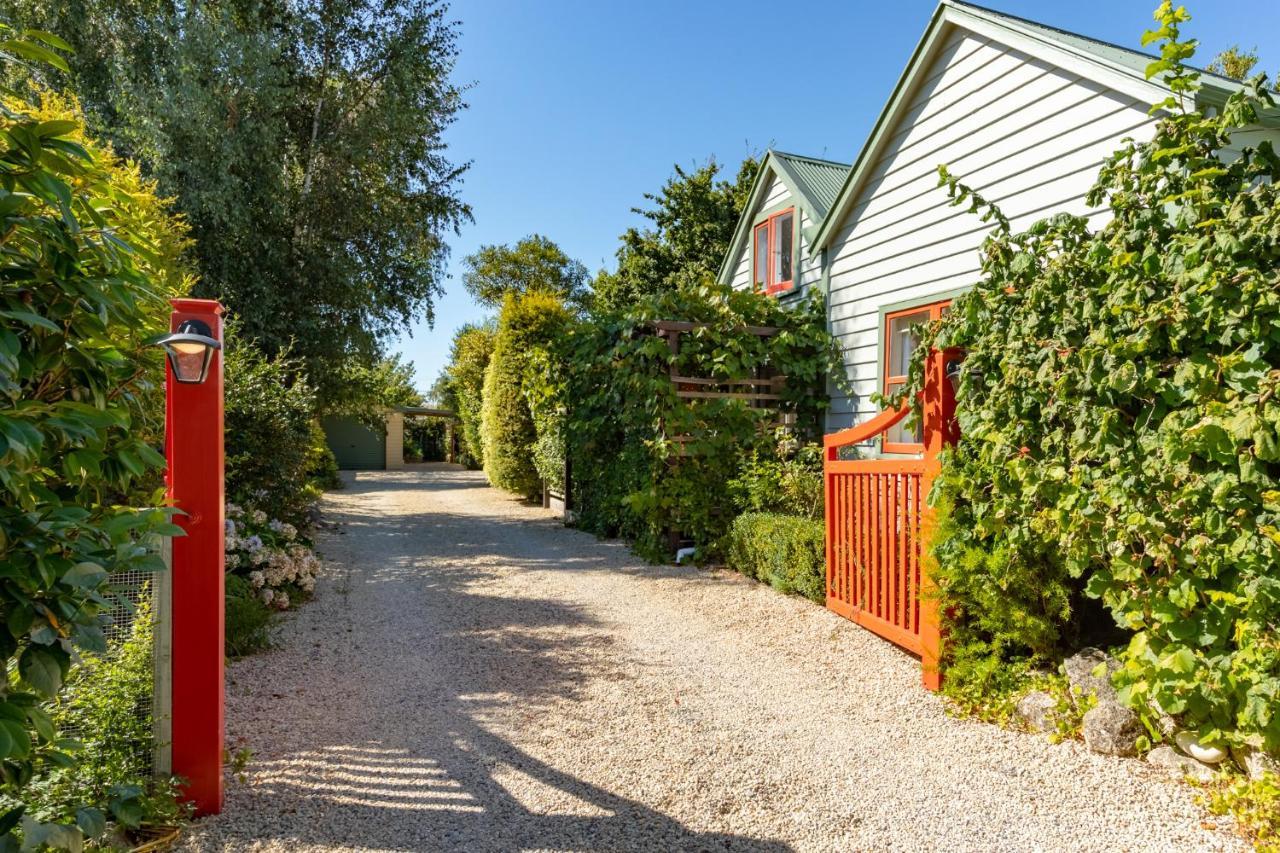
(774,253)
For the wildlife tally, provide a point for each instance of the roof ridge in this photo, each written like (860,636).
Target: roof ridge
(820,160)
(1060,30)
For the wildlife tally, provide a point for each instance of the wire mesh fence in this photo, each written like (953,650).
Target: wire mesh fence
(131,677)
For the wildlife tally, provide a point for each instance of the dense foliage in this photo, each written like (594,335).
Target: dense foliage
(322,465)
(249,620)
(785,551)
(787,479)
(369,389)
(425,440)
(89,256)
(1121,426)
(268,424)
(106,706)
(694,216)
(648,463)
(528,323)
(1254,805)
(304,144)
(1237,64)
(463,386)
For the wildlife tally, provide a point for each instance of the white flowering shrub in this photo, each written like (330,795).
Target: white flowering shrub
(278,564)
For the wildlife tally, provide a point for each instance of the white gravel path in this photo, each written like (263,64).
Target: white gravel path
(473,676)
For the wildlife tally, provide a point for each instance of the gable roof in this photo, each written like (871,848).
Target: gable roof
(818,182)
(1115,67)
(813,183)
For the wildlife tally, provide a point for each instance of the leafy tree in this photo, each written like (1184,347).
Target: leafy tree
(367,391)
(528,322)
(533,265)
(303,142)
(1237,64)
(90,254)
(693,222)
(462,384)
(1234,62)
(1120,425)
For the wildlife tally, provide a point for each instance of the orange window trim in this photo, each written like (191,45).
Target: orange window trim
(890,382)
(760,277)
(770,227)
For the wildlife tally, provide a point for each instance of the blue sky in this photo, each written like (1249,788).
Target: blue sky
(578,108)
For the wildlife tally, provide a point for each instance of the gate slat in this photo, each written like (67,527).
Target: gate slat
(847,564)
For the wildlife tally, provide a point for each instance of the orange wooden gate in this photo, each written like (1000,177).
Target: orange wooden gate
(879,522)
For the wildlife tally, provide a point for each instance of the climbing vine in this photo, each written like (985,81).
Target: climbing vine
(646,461)
(1121,426)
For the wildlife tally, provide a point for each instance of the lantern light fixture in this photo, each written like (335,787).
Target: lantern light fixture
(190,351)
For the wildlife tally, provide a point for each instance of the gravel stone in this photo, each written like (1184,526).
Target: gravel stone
(473,676)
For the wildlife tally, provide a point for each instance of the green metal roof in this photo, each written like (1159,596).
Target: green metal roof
(818,180)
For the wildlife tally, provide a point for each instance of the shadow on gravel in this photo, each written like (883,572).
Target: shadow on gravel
(397,747)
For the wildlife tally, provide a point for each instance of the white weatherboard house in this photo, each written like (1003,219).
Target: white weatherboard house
(1023,113)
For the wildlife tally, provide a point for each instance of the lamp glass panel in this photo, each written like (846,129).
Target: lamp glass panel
(190,366)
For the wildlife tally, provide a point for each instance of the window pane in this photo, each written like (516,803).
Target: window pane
(782,237)
(902,340)
(762,258)
(899,433)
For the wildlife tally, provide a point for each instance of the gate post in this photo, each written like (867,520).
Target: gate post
(939,431)
(194,452)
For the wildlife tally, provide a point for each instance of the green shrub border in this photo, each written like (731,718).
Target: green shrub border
(785,551)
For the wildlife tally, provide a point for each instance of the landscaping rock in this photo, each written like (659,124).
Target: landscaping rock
(1036,710)
(1111,729)
(1080,668)
(1255,762)
(1187,742)
(1179,765)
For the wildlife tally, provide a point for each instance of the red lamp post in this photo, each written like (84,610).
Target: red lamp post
(193,449)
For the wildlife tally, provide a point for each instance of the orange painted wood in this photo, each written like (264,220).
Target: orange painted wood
(876,466)
(871,622)
(862,432)
(879,525)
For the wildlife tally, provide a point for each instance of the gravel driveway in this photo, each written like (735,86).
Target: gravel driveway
(473,676)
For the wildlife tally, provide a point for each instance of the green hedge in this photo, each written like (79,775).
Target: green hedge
(785,551)
(528,323)
(463,386)
(90,254)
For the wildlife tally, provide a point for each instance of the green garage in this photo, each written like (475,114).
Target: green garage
(356,447)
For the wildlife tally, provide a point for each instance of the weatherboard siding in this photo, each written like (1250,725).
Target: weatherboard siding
(1249,137)
(1025,134)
